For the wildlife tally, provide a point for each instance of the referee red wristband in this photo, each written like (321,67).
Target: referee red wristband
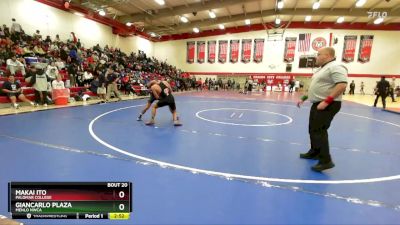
(329,100)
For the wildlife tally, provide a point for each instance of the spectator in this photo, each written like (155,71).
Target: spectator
(16,27)
(52,71)
(13,90)
(38,50)
(58,83)
(112,80)
(352,87)
(101,90)
(391,89)
(13,65)
(37,35)
(57,39)
(2,35)
(40,82)
(362,88)
(6,31)
(60,64)
(72,38)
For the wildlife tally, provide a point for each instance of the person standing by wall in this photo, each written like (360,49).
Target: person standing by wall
(391,89)
(362,88)
(325,93)
(382,90)
(352,87)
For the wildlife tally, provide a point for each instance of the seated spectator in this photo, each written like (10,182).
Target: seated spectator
(47,40)
(87,78)
(13,65)
(52,71)
(2,35)
(6,31)
(126,85)
(38,50)
(94,85)
(57,39)
(54,47)
(18,50)
(37,35)
(28,50)
(58,83)
(13,90)
(60,64)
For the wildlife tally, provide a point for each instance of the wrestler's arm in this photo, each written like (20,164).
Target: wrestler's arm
(168,86)
(155,94)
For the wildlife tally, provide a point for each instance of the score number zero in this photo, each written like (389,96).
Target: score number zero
(121,194)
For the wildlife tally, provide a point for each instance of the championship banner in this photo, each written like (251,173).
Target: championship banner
(222,51)
(246,50)
(258,50)
(190,51)
(201,51)
(364,52)
(234,53)
(211,51)
(349,48)
(290,49)
(273,80)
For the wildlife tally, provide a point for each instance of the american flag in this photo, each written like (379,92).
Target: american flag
(304,42)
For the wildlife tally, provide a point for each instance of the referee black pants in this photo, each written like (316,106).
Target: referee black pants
(319,123)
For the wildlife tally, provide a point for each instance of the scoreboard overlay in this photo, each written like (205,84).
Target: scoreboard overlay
(70,200)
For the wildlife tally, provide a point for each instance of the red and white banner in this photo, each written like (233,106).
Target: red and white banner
(234,53)
(290,49)
(190,51)
(364,52)
(349,48)
(258,50)
(201,51)
(222,51)
(211,51)
(246,50)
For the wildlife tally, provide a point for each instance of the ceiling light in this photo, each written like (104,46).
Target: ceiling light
(221,26)
(280,4)
(160,2)
(316,5)
(378,20)
(212,14)
(196,30)
(308,18)
(360,3)
(78,14)
(277,21)
(247,22)
(340,19)
(129,24)
(184,19)
(102,12)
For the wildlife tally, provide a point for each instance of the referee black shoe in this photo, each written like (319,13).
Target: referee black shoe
(309,155)
(323,166)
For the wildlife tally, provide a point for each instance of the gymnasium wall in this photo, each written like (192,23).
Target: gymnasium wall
(384,57)
(34,16)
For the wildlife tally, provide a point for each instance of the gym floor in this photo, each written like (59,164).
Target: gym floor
(235,160)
